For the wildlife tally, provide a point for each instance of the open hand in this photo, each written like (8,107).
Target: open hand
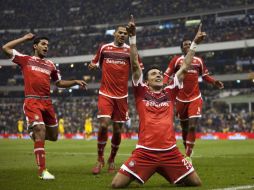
(81,83)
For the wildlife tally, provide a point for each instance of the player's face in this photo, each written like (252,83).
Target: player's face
(186,46)
(155,79)
(120,35)
(41,49)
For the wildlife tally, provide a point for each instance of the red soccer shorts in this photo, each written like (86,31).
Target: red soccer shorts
(39,111)
(144,163)
(116,109)
(186,110)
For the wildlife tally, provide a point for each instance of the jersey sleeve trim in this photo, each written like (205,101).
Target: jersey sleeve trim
(14,53)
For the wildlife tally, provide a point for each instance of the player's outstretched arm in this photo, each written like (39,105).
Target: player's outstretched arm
(8,47)
(188,58)
(214,82)
(70,83)
(135,67)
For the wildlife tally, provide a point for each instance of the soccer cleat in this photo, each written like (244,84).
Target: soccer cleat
(99,165)
(188,159)
(45,175)
(111,167)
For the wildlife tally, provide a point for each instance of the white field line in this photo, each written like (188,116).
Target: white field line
(237,187)
(122,154)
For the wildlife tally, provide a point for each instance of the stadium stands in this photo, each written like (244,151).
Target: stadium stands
(78,28)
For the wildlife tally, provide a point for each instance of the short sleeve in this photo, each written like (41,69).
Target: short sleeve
(55,75)
(19,58)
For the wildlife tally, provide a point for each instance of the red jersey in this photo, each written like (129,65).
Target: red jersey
(37,73)
(115,64)
(190,90)
(156,115)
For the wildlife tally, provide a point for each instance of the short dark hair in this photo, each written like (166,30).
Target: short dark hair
(38,39)
(145,77)
(119,26)
(185,38)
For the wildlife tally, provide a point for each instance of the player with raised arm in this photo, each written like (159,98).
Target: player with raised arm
(156,150)
(40,115)
(114,61)
(189,100)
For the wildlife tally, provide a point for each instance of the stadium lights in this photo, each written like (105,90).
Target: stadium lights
(238,81)
(57,64)
(110,32)
(70,90)
(193,22)
(72,65)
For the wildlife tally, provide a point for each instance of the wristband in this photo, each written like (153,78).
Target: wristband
(132,40)
(193,46)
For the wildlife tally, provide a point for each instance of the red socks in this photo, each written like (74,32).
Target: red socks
(115,142)
(40,155)
(190,142)
(184,135)
(102,141)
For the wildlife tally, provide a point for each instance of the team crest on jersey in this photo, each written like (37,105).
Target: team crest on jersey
(36,117)
(132,163)
(198,112)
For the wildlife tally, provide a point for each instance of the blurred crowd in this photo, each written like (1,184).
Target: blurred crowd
(74,111)
(72,31)
(218,63)
(46,13)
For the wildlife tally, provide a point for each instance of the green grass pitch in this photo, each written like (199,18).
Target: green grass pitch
(220,164)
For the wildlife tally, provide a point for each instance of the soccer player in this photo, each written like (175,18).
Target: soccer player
(37,72)
(114,61)
(156,150)
(88,126)
(61,128)
(189,100)
(20,127)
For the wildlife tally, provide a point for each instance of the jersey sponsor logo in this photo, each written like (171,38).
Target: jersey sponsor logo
(35,68)
(151,101)
(118,62)
(193,69)
(156,104)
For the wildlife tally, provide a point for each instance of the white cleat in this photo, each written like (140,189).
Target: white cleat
(45,175)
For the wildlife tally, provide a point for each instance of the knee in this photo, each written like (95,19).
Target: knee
(104,122)
(197,182)
(192,128)
(115,184)
(39,132)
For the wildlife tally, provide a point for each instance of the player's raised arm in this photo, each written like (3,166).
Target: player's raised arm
(8,47)
(189,56)
(135,67)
